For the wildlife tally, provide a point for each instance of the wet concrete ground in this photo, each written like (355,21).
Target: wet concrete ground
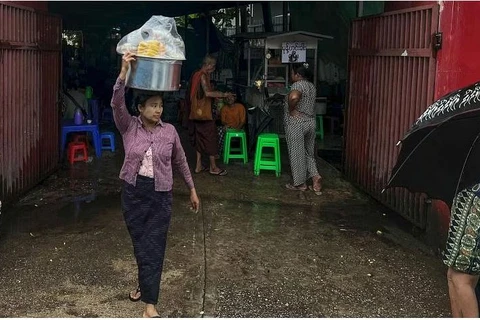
(253,250)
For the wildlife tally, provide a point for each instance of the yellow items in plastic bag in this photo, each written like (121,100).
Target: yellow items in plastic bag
(150,48)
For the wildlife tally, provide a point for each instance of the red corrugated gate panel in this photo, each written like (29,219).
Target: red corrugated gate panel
(30,62)
(392,70)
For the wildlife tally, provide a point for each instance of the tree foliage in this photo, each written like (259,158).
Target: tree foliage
(222,18)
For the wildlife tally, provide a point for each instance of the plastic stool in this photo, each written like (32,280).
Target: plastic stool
(107,115)
(111,141)
(93,106)
(88,92)
(80,138)
(241,152)
(73,147)
(319,126)
(267,161)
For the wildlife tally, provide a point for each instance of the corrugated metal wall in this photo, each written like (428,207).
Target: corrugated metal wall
(30,65)
(391,70)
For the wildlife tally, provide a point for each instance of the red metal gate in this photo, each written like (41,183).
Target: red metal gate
(392,72)
(30,65)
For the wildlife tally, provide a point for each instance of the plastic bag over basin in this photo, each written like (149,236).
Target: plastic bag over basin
(157,38)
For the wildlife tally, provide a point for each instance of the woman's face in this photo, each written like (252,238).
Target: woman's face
(294,76)
(152,110)
(211,67)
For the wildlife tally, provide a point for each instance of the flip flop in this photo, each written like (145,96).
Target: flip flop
(136,292)
(220,173)
(202,170)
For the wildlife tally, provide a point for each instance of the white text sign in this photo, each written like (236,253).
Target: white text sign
(294,52)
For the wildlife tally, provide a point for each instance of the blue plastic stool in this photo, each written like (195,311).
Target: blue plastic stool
(107,115)
(94,110)
(111,141)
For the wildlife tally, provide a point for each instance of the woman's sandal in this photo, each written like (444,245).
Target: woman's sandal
(137,291)
(219,173)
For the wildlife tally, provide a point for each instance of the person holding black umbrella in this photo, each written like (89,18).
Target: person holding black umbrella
(462,255)
(440,156)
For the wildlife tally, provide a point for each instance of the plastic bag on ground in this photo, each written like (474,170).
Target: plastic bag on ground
(157,38)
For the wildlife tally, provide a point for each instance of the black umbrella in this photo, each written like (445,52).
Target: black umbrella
(440,154)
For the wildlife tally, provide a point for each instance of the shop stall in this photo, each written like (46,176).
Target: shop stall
(267,80)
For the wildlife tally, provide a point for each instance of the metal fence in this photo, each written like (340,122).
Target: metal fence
(391,82)
(30,65)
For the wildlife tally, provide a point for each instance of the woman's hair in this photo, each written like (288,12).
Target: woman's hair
(209,59)
(302,69)
(141,97)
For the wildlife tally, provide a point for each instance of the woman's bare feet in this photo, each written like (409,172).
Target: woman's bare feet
(150,311)
(317,185)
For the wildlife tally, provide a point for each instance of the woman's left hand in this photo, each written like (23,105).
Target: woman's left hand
(194,200)
(294,113)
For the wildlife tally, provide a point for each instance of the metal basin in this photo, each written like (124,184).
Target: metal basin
(154,74)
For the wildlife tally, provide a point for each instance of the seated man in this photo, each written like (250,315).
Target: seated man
(233,116)
(73,97)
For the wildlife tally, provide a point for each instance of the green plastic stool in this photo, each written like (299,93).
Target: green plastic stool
(241,152)
(319,126)
(268,161)
(88,92)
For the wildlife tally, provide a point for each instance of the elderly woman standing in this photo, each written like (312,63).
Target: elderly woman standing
(152,148)
(300,130)
(203,133)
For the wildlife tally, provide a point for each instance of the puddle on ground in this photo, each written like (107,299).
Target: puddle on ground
(268,217)
(60,216)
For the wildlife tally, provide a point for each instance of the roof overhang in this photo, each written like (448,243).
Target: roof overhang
(81,14)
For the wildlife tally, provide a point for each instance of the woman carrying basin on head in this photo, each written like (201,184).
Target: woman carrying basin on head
(152,149)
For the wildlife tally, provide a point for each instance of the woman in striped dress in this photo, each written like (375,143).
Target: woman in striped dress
(300,130)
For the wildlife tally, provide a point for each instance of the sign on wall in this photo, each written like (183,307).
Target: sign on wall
(294,52)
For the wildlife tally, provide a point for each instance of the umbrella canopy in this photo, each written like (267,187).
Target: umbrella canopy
(440,154)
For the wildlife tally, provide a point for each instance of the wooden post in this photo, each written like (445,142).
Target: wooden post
(207,17)
(249,66)
(243,17)
(184,66)
(285,16)
(359,9)
(267,16)
(237,19)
